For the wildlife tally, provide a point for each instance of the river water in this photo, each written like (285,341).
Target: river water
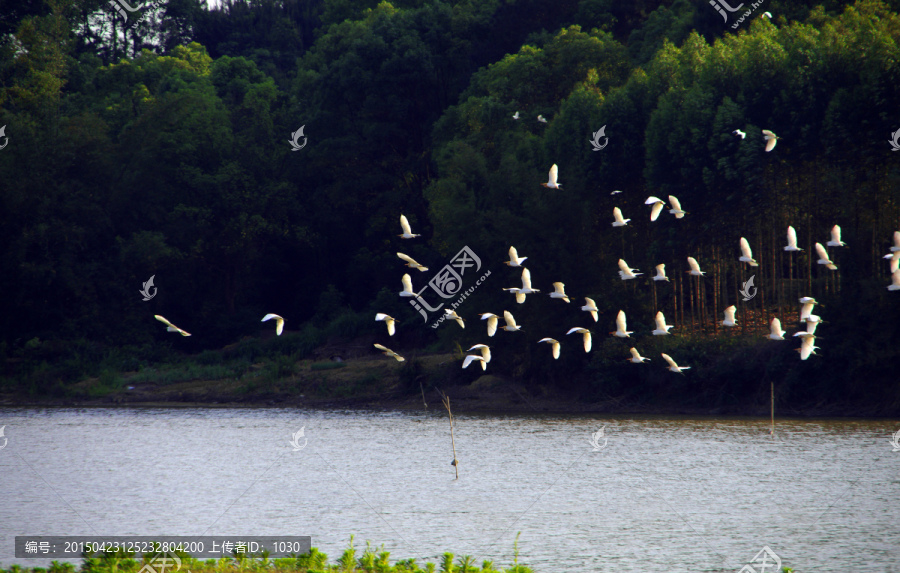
(663,494)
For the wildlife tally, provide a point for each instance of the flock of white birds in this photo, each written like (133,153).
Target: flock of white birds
(807,336)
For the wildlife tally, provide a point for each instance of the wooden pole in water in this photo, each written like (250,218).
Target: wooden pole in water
(772,394)
(455,462)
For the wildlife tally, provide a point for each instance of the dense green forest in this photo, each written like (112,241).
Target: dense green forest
(160,145)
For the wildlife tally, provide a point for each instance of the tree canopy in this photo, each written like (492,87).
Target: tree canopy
(159,145)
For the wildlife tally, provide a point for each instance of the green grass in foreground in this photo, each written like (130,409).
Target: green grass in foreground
(370,561)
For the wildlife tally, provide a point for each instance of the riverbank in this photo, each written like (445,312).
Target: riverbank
(369,383)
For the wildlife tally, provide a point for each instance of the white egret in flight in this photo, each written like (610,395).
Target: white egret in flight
(279,322)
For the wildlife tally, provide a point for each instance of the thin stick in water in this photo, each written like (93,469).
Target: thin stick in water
(446,400)
(772,395)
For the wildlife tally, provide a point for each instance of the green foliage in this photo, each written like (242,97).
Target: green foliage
(171,159)
(370,561)
(327,365)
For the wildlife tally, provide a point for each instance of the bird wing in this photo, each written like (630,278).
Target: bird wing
(669,360)
(693,264)
(589,302)
(492,326)
(806,347)
(555,349)
(661,269)
(381,316)
(404,224)
(806,309)
(624,266)
(673,201)
(390,326)
(526,279)
(635,354)
(836,234)
(791,237)
(657,209)
(407,283)
(620,321)
(660,321)
(554,173)
(745,248)
(770,145)
(823,254)
(651,200)
(508,317)
(163,320)
(768,134)
(574,329)
(469,359)
(408,259)
(587,341)
(380,347)
(729,313)
(897,239)
(513,255)
(617,215)
(775,326)
(559,288)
